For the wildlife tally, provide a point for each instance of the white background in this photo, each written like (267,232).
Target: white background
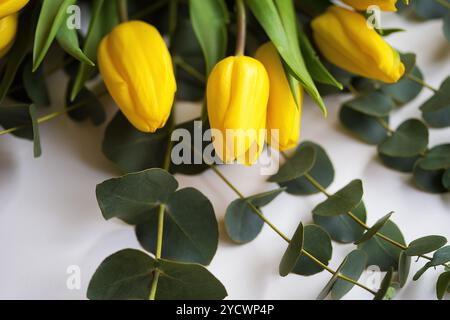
(49,218)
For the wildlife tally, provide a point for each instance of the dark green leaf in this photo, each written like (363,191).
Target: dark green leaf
(86,106)
(37,151)
(322,171)
(446,179)
(399,163)
(447,26)
(404,265)
(343,201)
(329,286)
(313,7)
(425,245)
(373,104)
(441,256)
(34,84)
(426,9)
(242,224)
(374,229)
(353,267)
(442,285)
(387,32)
(343,228)
(405,90)
(436,110)
(429,180)
(297,166)
(316,242)
(385,285)
(410,139)
(437,158)
(292,253)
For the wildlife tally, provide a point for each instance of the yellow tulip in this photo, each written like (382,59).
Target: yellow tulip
(345,39)
(8,30)
(9,7)
(385,5)
(137,69)
(283,114)
(237,96)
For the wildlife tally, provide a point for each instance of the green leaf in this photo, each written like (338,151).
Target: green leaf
(373,104)
(88,106)
(365,127)
(405,90)
(429,180)
(242,224)
(322,171)
(190,228)
(316,242)
(446,179)
(313,7)
(104,19)
(37,150)
(297,166)
(68,40)
(437,158)
(353,267)
(278,19)
(442,285)
(210,19)
(329,286)
(374,229)
(128,275)
(381,253)
(343,228)
(388,32)
(410,139)
(436,110)
(402,164)
(404,265)
(426,9)
(53,15)
(292,253)
(385,286)
(425,245)
(441,256)
(343,201)
(34,84)
(447,26)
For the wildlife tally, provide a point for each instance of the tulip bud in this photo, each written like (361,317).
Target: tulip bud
(237,96)
(385,5)
(345,39)
(137,69)
(9,7)
(8,30)
(283,114)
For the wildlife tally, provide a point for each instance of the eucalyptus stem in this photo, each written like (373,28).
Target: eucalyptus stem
(421,82)
(189,69)
(122,7)
(443,3)
(159,243)
(173,15)
(150,9)
(241,27)
(282,235)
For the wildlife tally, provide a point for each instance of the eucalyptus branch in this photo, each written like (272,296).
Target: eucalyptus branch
(241,28)
(421,82)
(443,3)
(157,272)
(189,69)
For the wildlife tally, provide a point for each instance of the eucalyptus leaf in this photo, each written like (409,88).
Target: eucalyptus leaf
(37,150)
(404,266)
(447,26)
(436,110)
(343,201)
(297,166)
(329,286)
(446,179)
(374,229)
(441,256)
(426,9)
(88,106)
(35,84)
(402,164)
(385,285)
(442,285)
(429,180)
(353,267)
(425,245)
(293,252)
(374,104)
(437,158)
(406,89)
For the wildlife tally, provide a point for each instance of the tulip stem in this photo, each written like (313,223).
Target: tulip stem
(122,7)
(421,82)
(282,235)
(241,27)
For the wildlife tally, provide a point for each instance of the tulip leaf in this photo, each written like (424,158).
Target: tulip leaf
(343,228)
(443,285)
(429,180)
(437,158)
(353,267)
(410,139)
(104,18)
(425,245)
(373,104)
(381,253)
(53,15)
(242,224)
(297,166)
(34,84)
(128,275)
(190,228)
(86,106)
(385,285)
(436,111)
(367,128)
(68,40)
(316,242)
(292,253)
(322,172)
(404,266)
(343,201)
(209,20)
(278,19)
(374,229)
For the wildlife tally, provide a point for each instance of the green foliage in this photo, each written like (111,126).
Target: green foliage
(436,111)
(293,252)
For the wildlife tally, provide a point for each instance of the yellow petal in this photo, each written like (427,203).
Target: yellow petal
(9,7)
(8,30)
(385,5)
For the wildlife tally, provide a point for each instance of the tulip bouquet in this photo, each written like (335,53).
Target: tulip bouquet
(249,63)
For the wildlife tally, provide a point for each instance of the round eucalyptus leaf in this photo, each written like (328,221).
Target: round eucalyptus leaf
(297,166)
(366,128)
(441,256)
(343,228)
(447,26)
(409,140)
(409,60)
(382,253)
(402,164)
(446,179)
(242,224)
(316,242)
(421,271)
(343,201)
(436,110)
(35,84)
(293,252)
(374,104)
(385,285)
(429,180)
(353,268)
(374,229)
(329,286)
(404,266)
(132,197)
(425,245)
(426,9)
(190,228)
(442,285)
(322,171)
(405,90)
(437,158)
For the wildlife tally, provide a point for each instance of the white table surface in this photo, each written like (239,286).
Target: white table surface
(49,218)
